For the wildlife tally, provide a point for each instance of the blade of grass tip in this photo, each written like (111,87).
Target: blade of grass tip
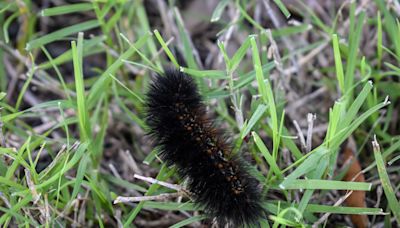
(219,9)
(66,9)
(338,62)
(7,24)
(82,110)
(365,69)
(394,160)
(150,157)
(283,8)
(394,204)
(166,48)
(59,34)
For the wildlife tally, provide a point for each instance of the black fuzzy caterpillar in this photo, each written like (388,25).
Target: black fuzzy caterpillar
(179,125)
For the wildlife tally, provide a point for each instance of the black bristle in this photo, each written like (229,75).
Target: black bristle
(220,182)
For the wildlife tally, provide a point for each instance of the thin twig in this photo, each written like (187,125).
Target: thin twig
(162,183)
(310,120)
(161,197)
(300,134)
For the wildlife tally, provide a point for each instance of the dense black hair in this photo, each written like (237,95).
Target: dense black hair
(187,138)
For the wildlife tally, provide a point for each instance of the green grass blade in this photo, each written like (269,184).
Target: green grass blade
(83,113)
(219,9)
(355,37)
(104,80)
(59,34)
(328,184)
(253,120)
(189,221)
(283,8)
(394,204)
(338,62)
(267,155)
(306,166)
(166,48)
(66,9)
(379,42)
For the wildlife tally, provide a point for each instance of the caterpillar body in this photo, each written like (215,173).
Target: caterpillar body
(188,138)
